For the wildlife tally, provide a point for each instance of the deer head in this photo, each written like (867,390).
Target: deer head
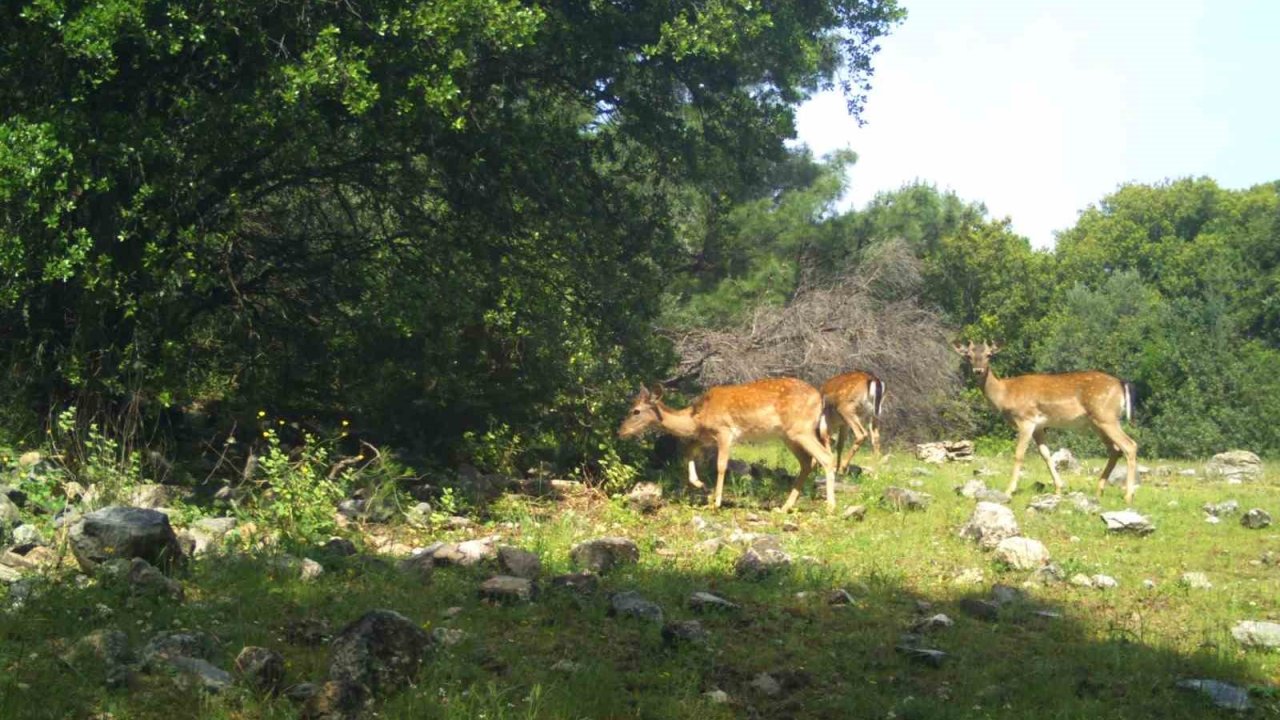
(979,356)
(644,415)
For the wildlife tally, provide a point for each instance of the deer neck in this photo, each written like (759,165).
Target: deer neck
(679,423)
(993,388)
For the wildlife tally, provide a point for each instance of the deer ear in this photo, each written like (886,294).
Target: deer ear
(960,349)
(993,348)
(656,393)
(643,395)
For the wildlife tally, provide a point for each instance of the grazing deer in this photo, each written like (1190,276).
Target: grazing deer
(1077,399)
(852,403)
(776,407)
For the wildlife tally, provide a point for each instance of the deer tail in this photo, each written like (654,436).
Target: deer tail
(876,389)
(1128,400)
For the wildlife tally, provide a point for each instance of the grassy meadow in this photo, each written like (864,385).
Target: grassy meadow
(1113,653)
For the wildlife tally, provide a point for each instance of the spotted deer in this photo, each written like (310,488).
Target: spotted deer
(785,408)
(1071,400)
(852,401)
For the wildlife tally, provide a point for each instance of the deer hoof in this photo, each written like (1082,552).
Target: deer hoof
(696,483)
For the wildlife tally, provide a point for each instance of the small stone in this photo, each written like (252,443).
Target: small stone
(335,700)
(932,623)
(583,583)
(897,498)
(1196,580)
(566,666)
(447,636)
(339,546)
(1104,582)
(716,697)
(1081,580)
(603,554)
(766,684)
(631,604)
(790,526)
(262,668)
(707,602)
(764,557)
(928,656)
(202,673)
(1149,584)
(1235,466)
(992,495)
(145,579)
(645,497)
(381,651)
(1064,460)
(989,525)
(981,609)
(507,588)
(1045,503)
(855,512)
(1259,634)
(1223,695)
(421,564)
(520,563)
(1127,521)
(1022,553)
(1212,519)
(1222,509)
(1007,595)
(969,576)
(840,596)
(1256,519)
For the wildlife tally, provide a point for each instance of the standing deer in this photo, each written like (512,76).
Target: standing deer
(776,407)
(852,402)
(1077,399)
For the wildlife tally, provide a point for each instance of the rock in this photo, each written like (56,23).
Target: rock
(380,652)
(304,569)
(421,564)
(168,645)
(710,546)
(1255,519)
(465,554)
(1222,509)
(447,636)
(1007,595)
(106,648)
(945,451)
(151,496)
(1212,519)
(146,580)
(261,668)
(971,488)
(790,526)
(1022,553)
(1234,466)
(1045,503)
(991,495)
(30,558)
(1064,460)
(903,499)
(124,532)
(1223,695)
(419,514)
(968,576)
(457,522)
(1081,580)
(990,524)
(1128,521)
(1257,634)
(335,700)
(1149,584)
(982,609)
(10,514)
(507,588)
(631,604)
(309,632)
(301,692)
(688,632)
(27,535)
(716,697)
(520,563)
(208,533)
(566,666)
(855,512)
(582,583)
(766,684)
(645,497)
(707,602)
(603,554)
(1195,580)
(1104,582)
(932,623)
(928,656)
(764,557)
(1084,504)
(839,596)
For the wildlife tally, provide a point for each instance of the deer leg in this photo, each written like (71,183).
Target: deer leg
(1024,439)
(1113,454)
(842,435)
(806,466)
(1048,459)
(690,454)
(821,456)
(1123,444)
(874,428)
(860,435)
(722,464)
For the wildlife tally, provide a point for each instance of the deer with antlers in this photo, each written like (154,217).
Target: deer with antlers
(852,403)
(786,408)
(1076,399)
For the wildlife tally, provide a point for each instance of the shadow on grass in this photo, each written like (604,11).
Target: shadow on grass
(564,656)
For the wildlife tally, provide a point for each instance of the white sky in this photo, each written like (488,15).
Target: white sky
(1039,108)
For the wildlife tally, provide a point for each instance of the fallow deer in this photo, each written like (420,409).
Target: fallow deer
(852,403)
(1076,399)
(786,408)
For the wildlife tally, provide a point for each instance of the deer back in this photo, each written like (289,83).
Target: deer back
(1064,397)
(774,406)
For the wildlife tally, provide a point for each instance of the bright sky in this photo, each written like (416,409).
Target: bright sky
(1039,108)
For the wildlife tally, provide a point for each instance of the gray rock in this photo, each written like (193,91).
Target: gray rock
(603,554)
(302,692)
(1007,595)
(339,547)
(261,668)
(447,636)
(1083,503)
(968,576)
(304,569)
(1128,521)
(421,564)
(1223,695)
(208,533)
(419,515)
(124,532)
(151,496)
(645,497)
(839,596)
(27,535)
(1257,633)
(631,604)
(855,512)
(10,509)
(1104,582)
(465,554)
(988,610)
(766,684)
(335,700)
(707,602)
(380,652)
(582,583)
(990,524)
(1064,460)
(764,557)
(992,495)
(1045,503)
(1256,519)
(166,646)
(688,632)
(1081,580)
(898,498)
(1022,553)
(945,451)
(507,588)
(932,623)
(1234,466)
(1222,509)
(520,563)
(716,697)
(106,648)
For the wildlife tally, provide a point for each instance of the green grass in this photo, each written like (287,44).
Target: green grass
(1113,653)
